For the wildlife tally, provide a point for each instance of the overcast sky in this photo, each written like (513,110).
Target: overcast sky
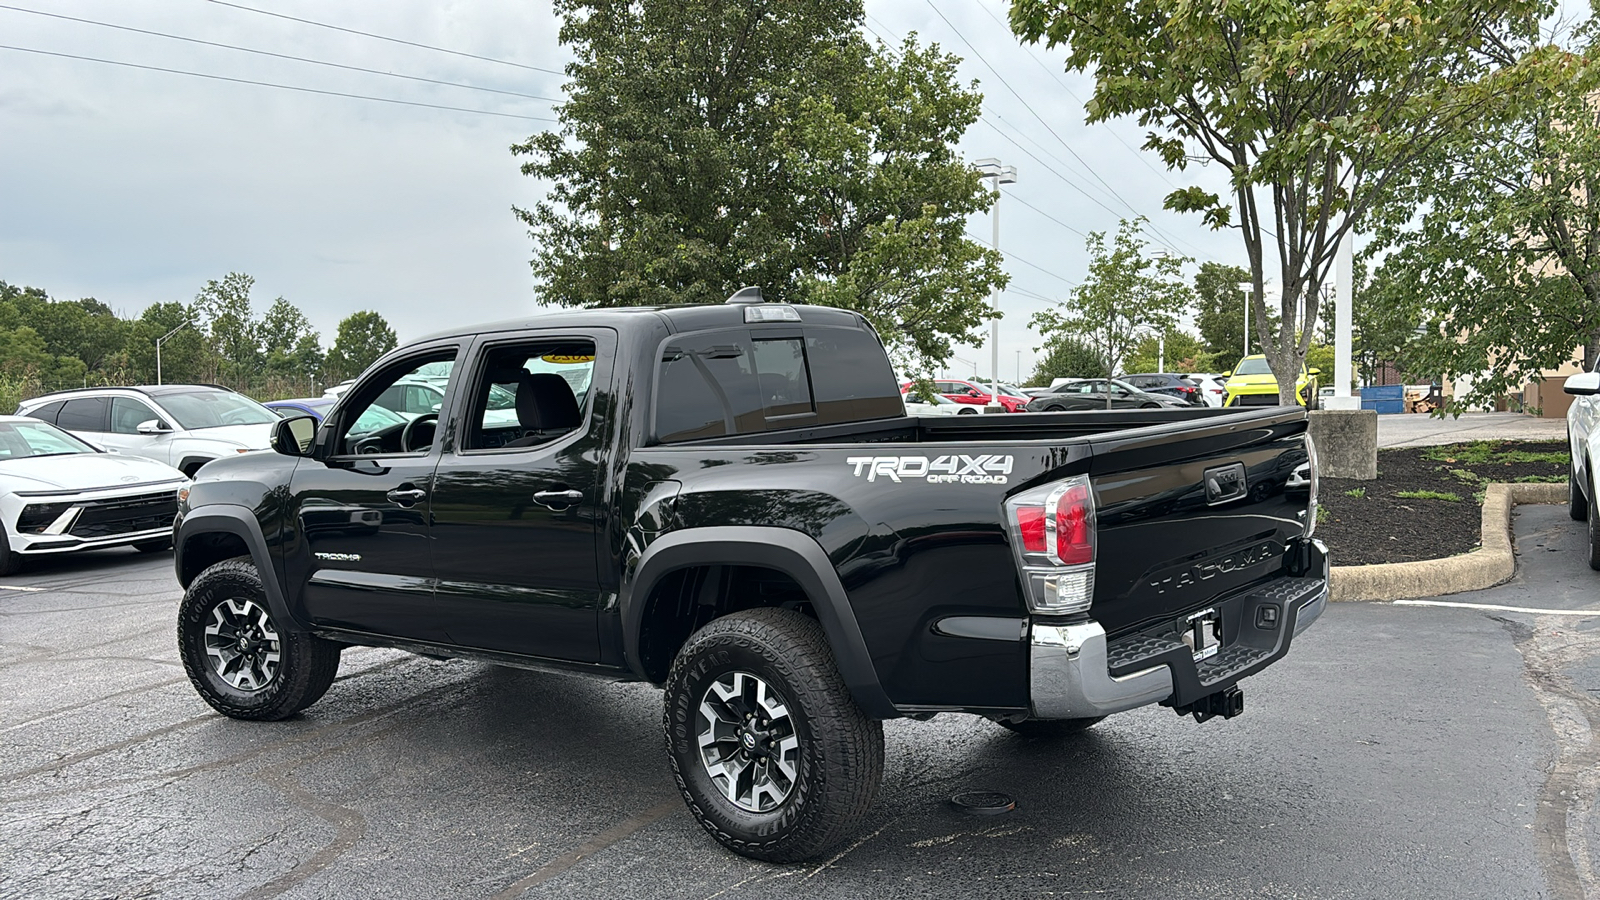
(136,186)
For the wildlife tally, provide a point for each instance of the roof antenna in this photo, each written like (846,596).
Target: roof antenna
(746,295)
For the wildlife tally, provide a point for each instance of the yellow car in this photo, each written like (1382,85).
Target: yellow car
(1251,384)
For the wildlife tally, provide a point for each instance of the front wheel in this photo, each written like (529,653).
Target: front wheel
(1149,406)
(240,658)
(1593,530)
(772,755)
(969,411)
(10,560)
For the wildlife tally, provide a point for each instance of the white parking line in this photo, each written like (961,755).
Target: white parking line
(18,587)
(1515,609)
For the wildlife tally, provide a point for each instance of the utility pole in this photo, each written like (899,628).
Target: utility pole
(991,168)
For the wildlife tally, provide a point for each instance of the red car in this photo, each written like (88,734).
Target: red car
(962,391)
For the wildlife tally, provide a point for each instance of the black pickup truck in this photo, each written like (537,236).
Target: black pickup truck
(729,501)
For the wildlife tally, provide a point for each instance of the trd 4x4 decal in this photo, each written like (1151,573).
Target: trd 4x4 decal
(958,469)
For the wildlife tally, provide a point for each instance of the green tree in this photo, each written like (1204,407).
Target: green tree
(363,337)
(1182,352)
(1067,357)
(290,346)
(706,146)
(1126,297)
(1221,306)
(222,309)
(1502,267)
(186,357)
(1315,108)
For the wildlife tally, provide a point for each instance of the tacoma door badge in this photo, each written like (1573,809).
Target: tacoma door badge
(338,557)
(1225,483)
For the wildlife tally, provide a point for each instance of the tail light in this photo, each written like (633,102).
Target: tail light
(1053,535)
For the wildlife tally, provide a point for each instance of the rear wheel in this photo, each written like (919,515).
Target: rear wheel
(1577,503)
(772,755)
(1050,728)
(1149,406)
(968,411)
(240,658)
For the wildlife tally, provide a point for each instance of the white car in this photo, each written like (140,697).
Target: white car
(182,425)
(1213,388)
(60,495)
(1583,440)
(940,406)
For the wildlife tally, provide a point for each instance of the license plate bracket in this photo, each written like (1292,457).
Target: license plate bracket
(1201,632)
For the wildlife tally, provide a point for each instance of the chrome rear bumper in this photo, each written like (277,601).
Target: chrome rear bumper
(1070,673)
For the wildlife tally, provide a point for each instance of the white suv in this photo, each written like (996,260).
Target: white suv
(182,425)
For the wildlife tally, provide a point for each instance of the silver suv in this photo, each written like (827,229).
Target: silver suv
(182,425)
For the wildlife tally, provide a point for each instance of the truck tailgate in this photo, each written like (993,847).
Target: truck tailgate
(1183,523)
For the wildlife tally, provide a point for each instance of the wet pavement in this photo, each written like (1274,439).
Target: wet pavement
(1400,751)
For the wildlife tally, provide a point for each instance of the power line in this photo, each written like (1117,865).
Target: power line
(315,62)
(1048,216)
(382,37)
(1079,100)
(1029,107)
(285,87)
(1007,253)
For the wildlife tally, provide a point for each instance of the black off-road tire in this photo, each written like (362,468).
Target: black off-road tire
(1577,503)
(1050,728)
(840,755)
(155,546)
(306,664)
(10,562)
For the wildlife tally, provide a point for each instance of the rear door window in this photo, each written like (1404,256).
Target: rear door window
(83,414)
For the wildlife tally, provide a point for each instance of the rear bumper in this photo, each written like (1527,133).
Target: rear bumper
(1075,672)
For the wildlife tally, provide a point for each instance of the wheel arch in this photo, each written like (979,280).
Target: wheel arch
(215,533)
(789,553)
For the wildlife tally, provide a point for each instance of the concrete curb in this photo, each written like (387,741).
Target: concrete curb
(1487,566)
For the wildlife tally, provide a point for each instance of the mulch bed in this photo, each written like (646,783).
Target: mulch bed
(1365,522)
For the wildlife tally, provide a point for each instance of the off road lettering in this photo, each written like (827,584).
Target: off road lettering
(952,469)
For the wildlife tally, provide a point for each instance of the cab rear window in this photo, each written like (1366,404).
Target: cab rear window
(721,383)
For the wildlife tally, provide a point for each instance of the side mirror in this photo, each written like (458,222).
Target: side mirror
(1313,371)
(293,437)
(153,426)
(1584,383)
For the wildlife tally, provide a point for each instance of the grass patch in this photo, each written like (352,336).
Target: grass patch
(1357,493)
(1323,515)
(1482,453)
(1429,495)
(1540,479)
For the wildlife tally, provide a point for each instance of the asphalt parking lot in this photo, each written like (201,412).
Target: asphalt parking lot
(1400,751)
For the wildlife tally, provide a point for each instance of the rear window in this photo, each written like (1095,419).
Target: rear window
(715,384)
(48,412)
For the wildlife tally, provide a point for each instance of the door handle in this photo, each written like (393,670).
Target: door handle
(406,497)
(558,499)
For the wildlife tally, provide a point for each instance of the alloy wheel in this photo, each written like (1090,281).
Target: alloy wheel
(747,742)
(243,644)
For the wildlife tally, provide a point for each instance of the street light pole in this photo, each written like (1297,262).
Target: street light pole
(162,340)
(991,168)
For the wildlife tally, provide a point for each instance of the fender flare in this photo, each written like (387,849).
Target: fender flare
(791,552)
(241,522)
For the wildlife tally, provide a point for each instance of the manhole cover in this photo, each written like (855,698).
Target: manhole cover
(983,803)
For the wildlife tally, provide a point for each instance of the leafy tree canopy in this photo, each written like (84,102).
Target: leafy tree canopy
(1285,95)
(1067,357)
(363,337)
(706,146)
(1500,269)
(1126,297)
